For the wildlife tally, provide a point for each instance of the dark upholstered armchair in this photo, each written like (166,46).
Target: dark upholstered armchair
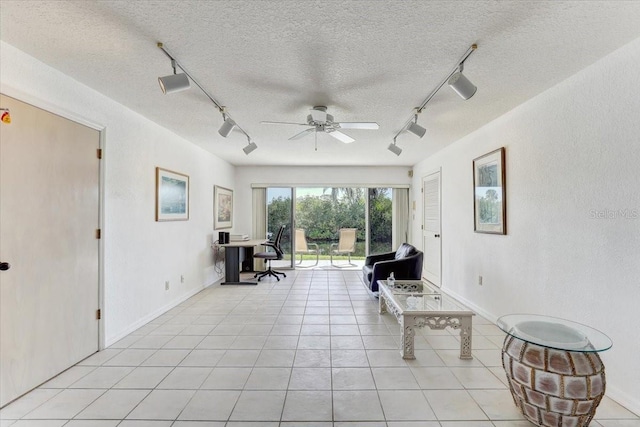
(405,263)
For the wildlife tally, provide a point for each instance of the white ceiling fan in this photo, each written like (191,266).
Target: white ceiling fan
(320,121)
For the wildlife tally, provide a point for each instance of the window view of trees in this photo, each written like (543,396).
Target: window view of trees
(322,215)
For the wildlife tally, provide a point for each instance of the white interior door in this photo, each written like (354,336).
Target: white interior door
(431,228)
(49,213)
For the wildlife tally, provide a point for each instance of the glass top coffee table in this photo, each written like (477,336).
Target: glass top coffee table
(553,369)
(417,304)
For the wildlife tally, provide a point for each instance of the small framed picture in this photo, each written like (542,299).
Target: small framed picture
(172,196)
(489,192)
(222,207)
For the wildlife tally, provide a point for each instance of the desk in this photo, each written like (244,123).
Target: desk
(234,254)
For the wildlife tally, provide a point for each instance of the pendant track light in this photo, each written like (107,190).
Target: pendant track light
(457,81)
(416,129)
(462,86)
(181,81)
(249,148)
(174,83)
(394,148)
(227,127)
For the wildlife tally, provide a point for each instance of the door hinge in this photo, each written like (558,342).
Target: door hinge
(98,314)
(422,190)
(99,153)
(98,233)
(422,227)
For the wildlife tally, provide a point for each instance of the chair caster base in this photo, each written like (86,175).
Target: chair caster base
(269,272)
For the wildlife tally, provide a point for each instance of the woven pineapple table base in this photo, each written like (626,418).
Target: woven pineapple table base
(553,387)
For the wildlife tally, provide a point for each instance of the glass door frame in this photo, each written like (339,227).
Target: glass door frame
(294,212)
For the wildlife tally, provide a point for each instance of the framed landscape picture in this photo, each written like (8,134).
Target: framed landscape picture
(489,192)
(172,196)
(222,207)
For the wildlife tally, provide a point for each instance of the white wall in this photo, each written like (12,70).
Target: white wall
(287,176)
(139,254)
(570,152)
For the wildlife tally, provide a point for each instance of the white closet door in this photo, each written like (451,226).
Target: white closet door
(49,213)
(431,228)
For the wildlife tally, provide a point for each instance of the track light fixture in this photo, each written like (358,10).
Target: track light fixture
(177,82)
(174,82)
(416,129)
(227,126)
(461,85)
(457,81)
(249,148)
(394,148)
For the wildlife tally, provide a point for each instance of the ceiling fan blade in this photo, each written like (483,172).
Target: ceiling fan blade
(359,125)
(283,123)
(302,134)
(341,137)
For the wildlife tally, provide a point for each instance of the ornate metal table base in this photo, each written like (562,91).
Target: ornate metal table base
(553,387)
(410,320)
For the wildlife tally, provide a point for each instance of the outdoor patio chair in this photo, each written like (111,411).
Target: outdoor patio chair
(346,246)
(302,248)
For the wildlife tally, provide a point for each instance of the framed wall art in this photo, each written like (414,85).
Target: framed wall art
(172,196)
(489,192)
(222,207)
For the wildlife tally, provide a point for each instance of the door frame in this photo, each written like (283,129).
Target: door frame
(85,121)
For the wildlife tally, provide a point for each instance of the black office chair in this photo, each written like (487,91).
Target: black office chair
(276,254)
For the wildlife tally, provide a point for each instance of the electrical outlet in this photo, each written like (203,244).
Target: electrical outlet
(166,285)
(480,280)
(182,278)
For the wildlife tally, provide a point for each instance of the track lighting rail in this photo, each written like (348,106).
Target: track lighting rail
(412,122)
(457,68)
(229,124)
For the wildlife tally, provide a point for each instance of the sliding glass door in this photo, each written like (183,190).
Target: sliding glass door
(319,213)
(280,213)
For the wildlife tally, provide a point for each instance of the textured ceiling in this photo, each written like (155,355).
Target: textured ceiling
(365,60)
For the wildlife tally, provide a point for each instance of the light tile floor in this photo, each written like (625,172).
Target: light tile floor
(309,350)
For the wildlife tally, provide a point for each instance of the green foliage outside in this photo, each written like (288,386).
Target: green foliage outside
(321,218)
(380,212)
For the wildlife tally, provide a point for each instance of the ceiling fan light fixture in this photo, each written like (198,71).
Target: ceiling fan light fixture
(174,83)
(319,114)
(462,86)
(416,129)
(394,149)
(227,127)
(249,148)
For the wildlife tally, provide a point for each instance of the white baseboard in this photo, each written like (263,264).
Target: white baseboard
(629,402)
(632,403)
(481,311)
(159,312)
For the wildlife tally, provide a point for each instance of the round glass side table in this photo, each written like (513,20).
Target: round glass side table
(555,374)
